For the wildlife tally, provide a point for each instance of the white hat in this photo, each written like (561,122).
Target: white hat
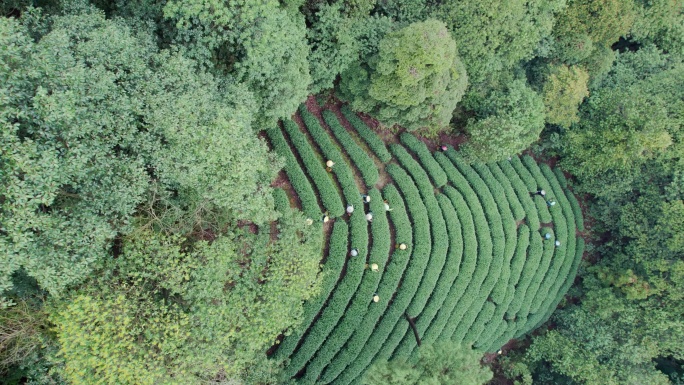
(329,163)
(350,209)
(374,267)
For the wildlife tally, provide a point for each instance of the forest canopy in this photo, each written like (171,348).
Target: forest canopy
(185,191)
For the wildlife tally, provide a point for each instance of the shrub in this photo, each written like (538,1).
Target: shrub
(295,174)
(534,255)
(520,255)
(543,266)
(561,177)
(315,168)
(425,156)
(337,255)
(358,155)
(388,284)
(372,140)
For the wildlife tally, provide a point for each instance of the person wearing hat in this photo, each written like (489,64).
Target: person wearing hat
(401,246)
(329,164)
(444,148)
(354,252)
(325,218)
(350,209)
(375,267)
(547,236)
(369,216)
(541,193)
(550,203)
(387,208)
(557,243)
(366,198)
(376,298)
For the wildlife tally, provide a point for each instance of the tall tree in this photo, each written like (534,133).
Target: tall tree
(257,43)
(564,90)
(442,363)
(96,122)
(507,122)
(415,80)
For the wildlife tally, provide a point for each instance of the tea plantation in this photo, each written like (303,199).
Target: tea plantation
(470,253)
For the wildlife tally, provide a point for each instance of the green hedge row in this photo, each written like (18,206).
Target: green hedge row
(532,290)
(534,256)
(281,200)
(576,210)
(561,177)
(500,290)
(436,173)
(438,230)
(467,268)
(297,178)
(362,298)
(491,211)
(481,319)
(369,172)
(437,256)
(409,284)
(315,167)
(388,285)
(520,256)
(525,174)
(523,193)
(335,307)
(483,243)
(372,140)
(509,192)
(446,279)
(337,255)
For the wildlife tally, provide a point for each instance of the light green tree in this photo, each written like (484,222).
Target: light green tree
(415,80)
(441,363)
(563,92)
(164,312)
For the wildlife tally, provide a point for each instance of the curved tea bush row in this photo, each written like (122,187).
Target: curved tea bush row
(315,168)
(500,290)
(446,278)
(468,265)
(372,140)
(369,172)
(362,298)
(337,255)
(534,255)
(295,174)
(508,191)
(576,209)
(280,200)
(561,178)
(431,166)
(483,242)
(535,282)
(533,185)
(410,281)
(440,244)
(523,193)
(498,243)
(388,284)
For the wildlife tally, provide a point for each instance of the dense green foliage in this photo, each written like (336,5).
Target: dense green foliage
(169,215)
(442,363)
(415,79)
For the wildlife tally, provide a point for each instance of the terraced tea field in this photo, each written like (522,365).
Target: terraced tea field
(484,260)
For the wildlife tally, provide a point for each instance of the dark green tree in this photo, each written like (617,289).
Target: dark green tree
(95,123)
(507,122)
(442,363)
